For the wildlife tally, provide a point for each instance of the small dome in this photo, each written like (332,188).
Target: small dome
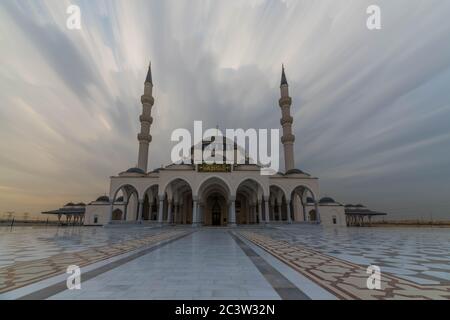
(103,199)
(349,205)
(81,204)
(359,206)
(70,204)
(119,199)
(136,170)
(327,200)
(295,171)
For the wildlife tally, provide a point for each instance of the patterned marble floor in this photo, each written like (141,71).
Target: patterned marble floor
(415,263)
(421,255)
(29,243)
(346,280)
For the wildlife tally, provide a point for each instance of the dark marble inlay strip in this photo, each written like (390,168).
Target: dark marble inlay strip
(283,286)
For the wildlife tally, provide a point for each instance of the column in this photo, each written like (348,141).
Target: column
(140,205)
(176,215)
(125,210)
(288,207)
(110,211)
(161,208)
(169,211)
(267,210)
(316,207)
(279,212)
(232,221)
(194,212)
(259,212)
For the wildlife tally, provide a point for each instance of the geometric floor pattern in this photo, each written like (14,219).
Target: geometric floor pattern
(27,272)
(420,255)
(344,279)
(208,263)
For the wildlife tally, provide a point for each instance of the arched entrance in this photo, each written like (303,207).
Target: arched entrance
(177,203)
(117,215)
(216,205)
(305,205)
(127,196)
(248,202)
(312,215)
(213,204)
(278,205)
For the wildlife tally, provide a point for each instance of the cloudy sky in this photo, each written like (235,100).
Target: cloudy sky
(371,108)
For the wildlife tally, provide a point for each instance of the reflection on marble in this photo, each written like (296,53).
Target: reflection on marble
(29,243)
(421,255)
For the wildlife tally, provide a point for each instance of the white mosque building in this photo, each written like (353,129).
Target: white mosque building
(213,194)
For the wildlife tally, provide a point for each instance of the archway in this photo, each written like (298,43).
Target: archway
(128,196)
(214,202)
(304,205)
(248,202)
(312,216)
(117,215)
(150,204)
(177,206)
(277,204)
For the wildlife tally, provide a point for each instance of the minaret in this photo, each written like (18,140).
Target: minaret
(286,122)
(146,119)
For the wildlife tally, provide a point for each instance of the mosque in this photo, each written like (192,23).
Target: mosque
(213,194)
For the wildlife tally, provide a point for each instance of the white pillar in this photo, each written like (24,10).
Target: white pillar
(200,214)
(161,208)
(288,206)
(110,211)
(266,201)
(177,212)
(259,212)
(232,221)
(125,210)
(194,212)
(140,204)
(169,211)
(280,218)
(316,207)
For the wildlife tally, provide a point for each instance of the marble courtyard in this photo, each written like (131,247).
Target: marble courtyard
(273,262)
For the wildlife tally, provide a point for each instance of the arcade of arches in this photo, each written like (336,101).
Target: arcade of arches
(214,205)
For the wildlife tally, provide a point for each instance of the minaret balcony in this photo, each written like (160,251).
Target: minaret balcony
(288,138)
(285,101)
(286,120)
(145,118)
(142,137)
(145,99)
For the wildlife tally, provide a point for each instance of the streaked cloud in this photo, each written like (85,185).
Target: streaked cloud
(371,109)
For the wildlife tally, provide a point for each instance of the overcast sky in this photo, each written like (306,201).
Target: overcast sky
(371,108)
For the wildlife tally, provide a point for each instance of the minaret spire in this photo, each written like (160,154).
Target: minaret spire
(149,74)
(283,76)
(286,121)
(146,120)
